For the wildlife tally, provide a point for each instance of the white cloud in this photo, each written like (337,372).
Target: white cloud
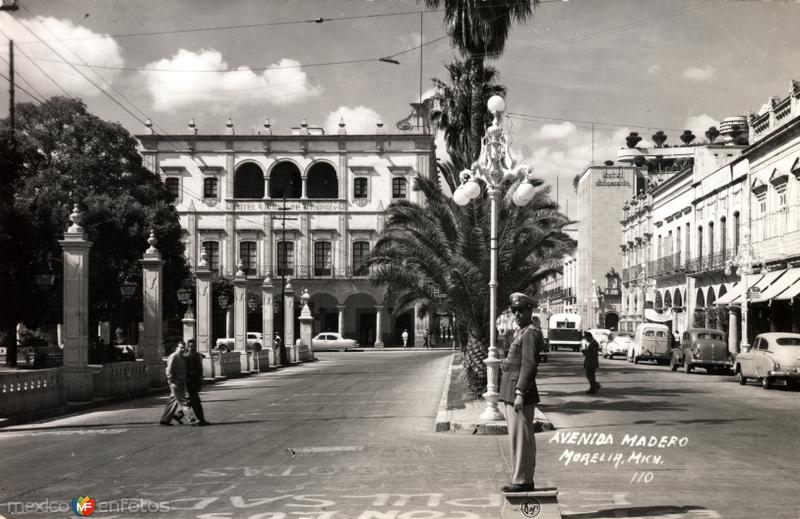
(93,48)
(175,82)
(357,119)
(698,73)
(556,131)
(428,93)
(700,123)
(653,69)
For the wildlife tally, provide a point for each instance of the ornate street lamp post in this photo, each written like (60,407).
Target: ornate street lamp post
(595,305)
(746,258)
(492,167)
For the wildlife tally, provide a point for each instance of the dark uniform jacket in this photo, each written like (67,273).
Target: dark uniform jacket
(522,362)
(194,370)
(591,352)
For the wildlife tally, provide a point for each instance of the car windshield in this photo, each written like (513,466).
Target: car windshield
(788,341)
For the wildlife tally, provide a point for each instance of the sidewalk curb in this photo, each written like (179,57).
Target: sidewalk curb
(445,422)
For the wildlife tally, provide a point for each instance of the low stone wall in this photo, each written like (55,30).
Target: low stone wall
(230,364)
(30,392)
(261,361)
(120,378)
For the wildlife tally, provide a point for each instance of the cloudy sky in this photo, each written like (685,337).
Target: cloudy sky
(581,74)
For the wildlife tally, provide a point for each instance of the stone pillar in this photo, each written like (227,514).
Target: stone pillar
(341,308)
(378,327)
(229,321)
(268,318)
(240,317)
(733,331)
(77,377)
(420,325)
(266,186)
(152,267)
(288,317)
(189,326)
(306,323)
(203,275)
(304,188)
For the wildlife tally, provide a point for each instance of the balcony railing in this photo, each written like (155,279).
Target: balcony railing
(710,262)
(313,272)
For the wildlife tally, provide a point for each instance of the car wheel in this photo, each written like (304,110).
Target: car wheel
(636,359)
(739,377)
(687,368)
(673,365)
(342,348)
(766,382)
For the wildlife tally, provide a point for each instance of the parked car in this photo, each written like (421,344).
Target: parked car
(651,342)
(332,341)
(773,356)
(601,336)
(701,348)
(618,344)
(255,342)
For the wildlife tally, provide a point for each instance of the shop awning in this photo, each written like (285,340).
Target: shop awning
(762,282)
(658,317)
(791,282)
(727,297)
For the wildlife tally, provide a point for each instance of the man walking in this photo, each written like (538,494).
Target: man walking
(194,381)
(176,377)
(405,338)
(591,362)
(519,393)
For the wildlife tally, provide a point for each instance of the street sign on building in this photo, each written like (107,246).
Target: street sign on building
(754,293)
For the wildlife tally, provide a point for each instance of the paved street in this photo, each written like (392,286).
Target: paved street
(350,437)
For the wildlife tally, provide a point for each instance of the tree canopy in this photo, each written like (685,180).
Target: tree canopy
(66,155)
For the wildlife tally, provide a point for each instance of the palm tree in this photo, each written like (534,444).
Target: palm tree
(452,108)
(437,255)
(479,29)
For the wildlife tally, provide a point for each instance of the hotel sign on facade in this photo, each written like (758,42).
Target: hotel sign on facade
(612,177)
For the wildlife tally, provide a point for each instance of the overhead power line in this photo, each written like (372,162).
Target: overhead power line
(21,87)
(545,119)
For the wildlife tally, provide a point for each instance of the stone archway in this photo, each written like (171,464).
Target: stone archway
(248,181)
(321,181)
(659,303)
(324,310)
(284,180)
(359,318)
(667,300)
(611,321)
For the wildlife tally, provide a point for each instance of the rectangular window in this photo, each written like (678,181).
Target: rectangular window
(322,258)
(212,250)
(360,187)
(210,189)
(711,239)
(248,255)
(360,253)
(174,187)
(736,231)
(285,258)
(399,187)
(723,237)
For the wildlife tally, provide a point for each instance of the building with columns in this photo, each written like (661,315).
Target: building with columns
(304,206)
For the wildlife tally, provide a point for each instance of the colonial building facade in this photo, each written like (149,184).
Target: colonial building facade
(305,207)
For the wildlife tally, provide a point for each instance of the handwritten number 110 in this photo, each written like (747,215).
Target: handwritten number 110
(642,477)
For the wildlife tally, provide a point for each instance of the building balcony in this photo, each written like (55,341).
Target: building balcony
(710,262)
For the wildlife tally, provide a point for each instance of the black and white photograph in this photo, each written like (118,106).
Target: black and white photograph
(400,259)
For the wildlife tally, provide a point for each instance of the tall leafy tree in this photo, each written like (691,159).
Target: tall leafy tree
(437,254)
(479,30)
(451,107)
(68,156)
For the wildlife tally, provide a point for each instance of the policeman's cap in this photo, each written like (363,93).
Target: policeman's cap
(518,299)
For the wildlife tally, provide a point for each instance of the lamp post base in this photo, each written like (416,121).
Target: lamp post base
(491,412)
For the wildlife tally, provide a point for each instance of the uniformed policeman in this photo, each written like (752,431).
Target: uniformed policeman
(519,394)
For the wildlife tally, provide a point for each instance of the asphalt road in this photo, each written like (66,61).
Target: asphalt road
(351,436)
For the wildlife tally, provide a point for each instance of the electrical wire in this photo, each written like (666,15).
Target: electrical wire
(21,88)
(56,83)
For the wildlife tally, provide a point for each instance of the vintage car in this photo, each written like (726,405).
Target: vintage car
(618,344)
(652,342)
(601,336)
(773,356)
(332,341)
(701,348)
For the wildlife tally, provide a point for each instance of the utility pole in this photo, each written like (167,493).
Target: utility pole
(282,267)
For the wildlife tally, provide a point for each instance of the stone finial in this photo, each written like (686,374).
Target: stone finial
(342,130)
(203,258)
(304,127)
(267,127)
(289,284)
(379,124)
(148,127)
(240,269)
(267,279)
(229,127)
(76,217)
(151,240)
(192,127)
(305,296)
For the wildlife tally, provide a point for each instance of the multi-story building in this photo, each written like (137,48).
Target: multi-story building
(306,207)
(602,189)
(675,233)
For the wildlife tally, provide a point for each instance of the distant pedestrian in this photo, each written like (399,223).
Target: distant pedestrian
(405,338)
(426,339)
(591,362)
(194,382)
(176,378)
